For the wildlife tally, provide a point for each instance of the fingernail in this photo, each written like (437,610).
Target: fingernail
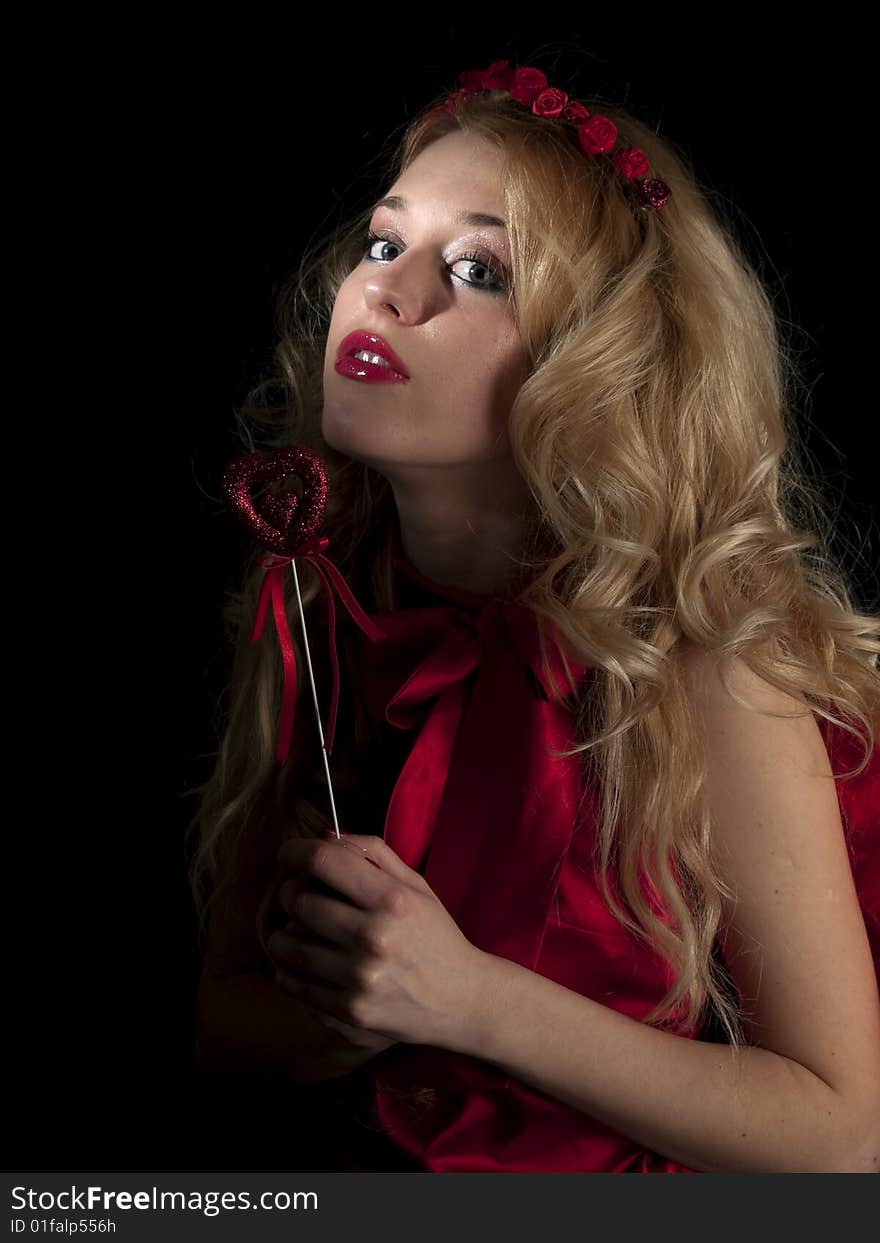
(350,840)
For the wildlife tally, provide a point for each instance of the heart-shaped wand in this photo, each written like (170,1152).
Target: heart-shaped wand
(288,526)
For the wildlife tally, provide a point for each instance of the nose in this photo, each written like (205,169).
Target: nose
(410,287)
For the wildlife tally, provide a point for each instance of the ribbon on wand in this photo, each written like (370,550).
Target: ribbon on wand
(288,527)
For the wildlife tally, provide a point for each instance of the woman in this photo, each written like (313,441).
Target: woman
(622,916)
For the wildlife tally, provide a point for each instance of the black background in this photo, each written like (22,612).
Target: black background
(180,174)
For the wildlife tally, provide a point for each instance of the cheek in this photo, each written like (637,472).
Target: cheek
(344,301)
(510,372)
(483,401)
(341,314)
(482,381)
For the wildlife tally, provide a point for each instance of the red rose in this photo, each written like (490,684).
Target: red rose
(449,103)
(632,162)
(575,111)
(549,102)
(471,79)
(525,85)
(651,192)
(496,78)
(597,135)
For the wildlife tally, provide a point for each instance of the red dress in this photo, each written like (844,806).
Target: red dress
(502,833)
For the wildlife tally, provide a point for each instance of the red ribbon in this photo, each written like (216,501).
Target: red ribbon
(273,585)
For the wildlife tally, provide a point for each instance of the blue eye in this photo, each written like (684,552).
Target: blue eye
(483,260)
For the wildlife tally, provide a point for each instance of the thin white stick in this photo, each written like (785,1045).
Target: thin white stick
(302,619)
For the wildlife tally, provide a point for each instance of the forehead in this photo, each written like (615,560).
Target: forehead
(462,170)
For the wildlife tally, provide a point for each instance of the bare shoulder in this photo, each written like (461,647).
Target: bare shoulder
(764,753)
(769,779)
(718,683)
(793,933)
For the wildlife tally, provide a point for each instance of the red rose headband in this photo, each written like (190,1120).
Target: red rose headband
(596,135)
(288,526)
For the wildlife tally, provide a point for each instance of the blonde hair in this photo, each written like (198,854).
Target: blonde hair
(657,433)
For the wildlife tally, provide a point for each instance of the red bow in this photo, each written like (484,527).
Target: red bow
(427,658)
(273,585)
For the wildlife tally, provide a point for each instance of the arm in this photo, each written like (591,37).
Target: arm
(806,1095)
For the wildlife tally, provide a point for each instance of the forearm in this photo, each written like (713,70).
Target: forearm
(248,1022)
(682,1098)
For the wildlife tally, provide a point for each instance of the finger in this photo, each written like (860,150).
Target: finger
(337,1024)
(363,1037)
(387,859)
(289,891)
(317,961)
(293,853)
(341,867)
(333,1001)
(336,920)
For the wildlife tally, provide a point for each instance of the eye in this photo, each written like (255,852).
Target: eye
(494,271)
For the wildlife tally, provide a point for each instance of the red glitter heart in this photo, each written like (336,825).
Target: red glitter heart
(280,521)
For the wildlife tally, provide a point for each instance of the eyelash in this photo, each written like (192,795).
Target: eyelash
(485,260)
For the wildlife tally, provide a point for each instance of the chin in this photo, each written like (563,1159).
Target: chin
(334,421)
(343,440)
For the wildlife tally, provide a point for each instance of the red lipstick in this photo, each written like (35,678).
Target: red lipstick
(364,369)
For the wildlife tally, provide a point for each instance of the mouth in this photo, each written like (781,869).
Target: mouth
(373,350)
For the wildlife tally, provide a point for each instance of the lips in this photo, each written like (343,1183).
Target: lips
(373,344)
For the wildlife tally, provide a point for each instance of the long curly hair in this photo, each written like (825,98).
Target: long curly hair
(673,508)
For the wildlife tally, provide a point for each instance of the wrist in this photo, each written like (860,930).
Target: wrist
(474,1027)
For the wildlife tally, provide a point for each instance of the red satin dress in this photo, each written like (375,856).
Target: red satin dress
(464,718)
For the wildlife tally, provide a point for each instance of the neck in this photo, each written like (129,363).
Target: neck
(468,539)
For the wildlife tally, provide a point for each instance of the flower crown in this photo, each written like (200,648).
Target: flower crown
(596,134)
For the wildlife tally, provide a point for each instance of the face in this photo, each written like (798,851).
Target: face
(445,315)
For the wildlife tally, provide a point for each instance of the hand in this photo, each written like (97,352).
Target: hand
(358,1037)
(379,952)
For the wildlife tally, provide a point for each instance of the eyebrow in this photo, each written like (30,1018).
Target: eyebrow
(396,203)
